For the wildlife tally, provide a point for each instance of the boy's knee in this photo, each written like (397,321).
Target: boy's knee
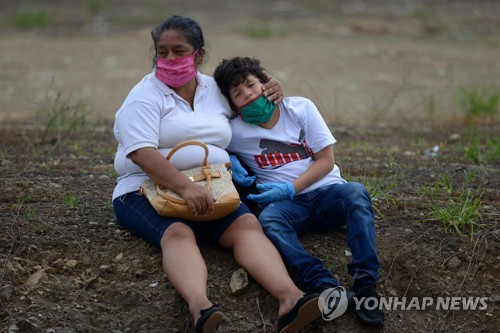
(357,191)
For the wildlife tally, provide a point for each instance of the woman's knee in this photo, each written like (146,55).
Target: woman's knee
(177,231)
(244,227)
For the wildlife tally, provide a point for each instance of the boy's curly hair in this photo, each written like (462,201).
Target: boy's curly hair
(231,73)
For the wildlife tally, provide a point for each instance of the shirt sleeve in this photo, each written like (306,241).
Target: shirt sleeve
(317,134)
(138,125)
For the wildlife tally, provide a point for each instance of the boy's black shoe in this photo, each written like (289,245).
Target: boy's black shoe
(372,316)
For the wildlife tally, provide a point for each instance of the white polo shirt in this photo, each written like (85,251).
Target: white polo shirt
(153,115)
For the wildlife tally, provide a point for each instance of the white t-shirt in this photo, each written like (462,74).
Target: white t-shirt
(153,115)
(284,152)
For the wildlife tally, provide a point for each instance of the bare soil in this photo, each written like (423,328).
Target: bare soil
(385,75)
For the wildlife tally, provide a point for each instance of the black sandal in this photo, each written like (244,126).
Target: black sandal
(209,319)
(304,312)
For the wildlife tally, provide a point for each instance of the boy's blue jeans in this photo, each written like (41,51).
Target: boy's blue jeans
(324,209)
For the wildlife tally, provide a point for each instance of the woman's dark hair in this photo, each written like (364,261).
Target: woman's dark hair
(233,72)
(186,26)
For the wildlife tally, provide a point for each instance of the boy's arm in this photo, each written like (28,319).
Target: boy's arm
(322,165)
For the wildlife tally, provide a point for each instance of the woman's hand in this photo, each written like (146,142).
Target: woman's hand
(272,89)
(198,199)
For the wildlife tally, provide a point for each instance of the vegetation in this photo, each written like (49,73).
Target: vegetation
(479,102)
(60,116)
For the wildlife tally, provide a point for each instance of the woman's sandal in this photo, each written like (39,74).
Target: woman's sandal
(209,319)
(304,312)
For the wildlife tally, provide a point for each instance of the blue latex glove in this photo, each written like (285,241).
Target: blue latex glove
(271,192)
(240,174)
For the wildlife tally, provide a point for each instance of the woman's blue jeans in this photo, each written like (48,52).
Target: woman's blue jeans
(325,209)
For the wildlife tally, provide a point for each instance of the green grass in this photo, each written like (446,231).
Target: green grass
(262,31)
(480,146)
(3,153)
(61,116)
(380,186)
(27,19)
(31,214)
(70,200)
(97,6)
(111,172)
(456,207)
(479,102)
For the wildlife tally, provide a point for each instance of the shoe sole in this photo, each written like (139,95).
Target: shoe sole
(308,312)
(212,322)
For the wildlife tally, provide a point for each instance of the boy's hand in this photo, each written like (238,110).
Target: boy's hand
(240,174)
(273,192)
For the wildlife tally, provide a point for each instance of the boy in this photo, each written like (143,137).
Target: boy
(288,147)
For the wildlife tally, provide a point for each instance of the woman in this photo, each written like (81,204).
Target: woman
(172,104)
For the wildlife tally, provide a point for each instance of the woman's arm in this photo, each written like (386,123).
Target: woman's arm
(199,200)
(323,163)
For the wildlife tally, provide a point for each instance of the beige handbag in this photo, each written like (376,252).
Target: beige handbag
(215,177)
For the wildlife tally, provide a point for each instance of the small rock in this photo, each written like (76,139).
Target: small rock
(13,329)
(50,270)
(391,292)
(36,278)
(6,292)
(64,280)
(494,298)
(24,326)
(58,263)
(431,152)
(454,262)
(239,281)
(140,273)
(71,263)
(454,137)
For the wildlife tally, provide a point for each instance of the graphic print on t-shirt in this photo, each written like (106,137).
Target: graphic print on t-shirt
(275,153)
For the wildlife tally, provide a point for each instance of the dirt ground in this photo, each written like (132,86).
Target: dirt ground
(385,75)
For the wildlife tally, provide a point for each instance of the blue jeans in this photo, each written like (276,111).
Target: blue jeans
(324,209)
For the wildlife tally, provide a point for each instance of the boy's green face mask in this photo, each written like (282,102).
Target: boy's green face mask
(257,111)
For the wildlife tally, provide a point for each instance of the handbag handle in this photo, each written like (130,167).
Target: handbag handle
(190,143)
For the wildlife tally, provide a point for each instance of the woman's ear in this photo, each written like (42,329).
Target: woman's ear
(201,56)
